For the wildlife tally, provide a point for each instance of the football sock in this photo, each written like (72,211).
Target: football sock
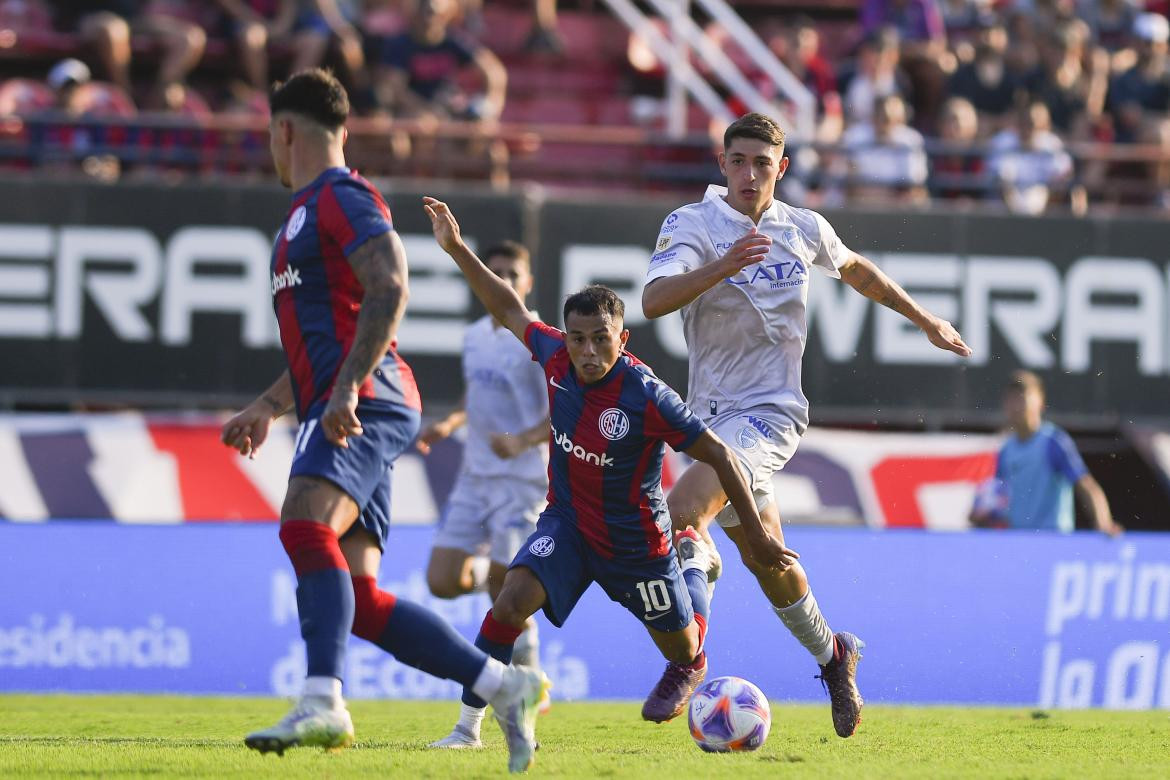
(325,600)
(527,649)
(324,688)
(471,718)
(497,640)
(696,580)
(807,624)
(414,635)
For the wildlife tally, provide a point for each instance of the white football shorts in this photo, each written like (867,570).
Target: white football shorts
(763,440)
(490,516)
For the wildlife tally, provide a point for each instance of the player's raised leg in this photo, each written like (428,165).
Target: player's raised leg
(695,500)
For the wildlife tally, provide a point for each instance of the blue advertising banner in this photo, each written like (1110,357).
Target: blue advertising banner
(979,618)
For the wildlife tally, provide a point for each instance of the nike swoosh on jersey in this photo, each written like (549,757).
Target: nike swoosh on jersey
(649,617)
(553,382)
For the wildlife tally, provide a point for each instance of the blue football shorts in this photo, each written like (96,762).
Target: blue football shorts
(653,590)
(363,469)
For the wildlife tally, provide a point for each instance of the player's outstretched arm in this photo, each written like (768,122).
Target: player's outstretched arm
(510,445)
(442,429)
(247,430)
(766,549)
(380,267)
(498,298)
(862,275)
(671,293)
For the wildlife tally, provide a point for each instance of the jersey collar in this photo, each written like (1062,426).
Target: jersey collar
(717,195)
(320,178)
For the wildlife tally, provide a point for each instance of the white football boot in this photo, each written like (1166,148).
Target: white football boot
(515,709)
(313,722)
(458,739)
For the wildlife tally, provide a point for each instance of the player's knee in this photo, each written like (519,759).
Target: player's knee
(509,609)
(445,585)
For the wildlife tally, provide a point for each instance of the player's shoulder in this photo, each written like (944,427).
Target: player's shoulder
(643,375)
(478,329)
(685,216)
(808,221)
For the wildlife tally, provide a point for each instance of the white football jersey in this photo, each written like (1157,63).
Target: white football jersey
(746,335)
(506,393)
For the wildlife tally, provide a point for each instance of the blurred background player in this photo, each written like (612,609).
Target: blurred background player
(606,521)
(337,252)
(501,487)
(736,264)
(1039,469)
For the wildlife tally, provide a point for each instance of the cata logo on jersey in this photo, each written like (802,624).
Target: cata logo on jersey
(614,424)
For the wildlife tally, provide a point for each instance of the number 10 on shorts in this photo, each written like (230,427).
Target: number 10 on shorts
(655,595)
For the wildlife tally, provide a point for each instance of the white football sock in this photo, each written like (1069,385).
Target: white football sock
(526,651)
(470,718)
(491,677)
(324,688)
(807,624)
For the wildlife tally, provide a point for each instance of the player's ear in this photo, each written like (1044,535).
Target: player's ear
(723,163)
(782,167)
(286,131)
(624,336)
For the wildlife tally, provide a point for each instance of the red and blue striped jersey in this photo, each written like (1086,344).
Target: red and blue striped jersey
(606,449)
(317,297)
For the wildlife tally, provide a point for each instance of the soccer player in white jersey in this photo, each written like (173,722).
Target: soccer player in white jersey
(737,265)
(503,481)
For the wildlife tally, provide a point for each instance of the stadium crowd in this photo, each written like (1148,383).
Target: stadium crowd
(1031,104)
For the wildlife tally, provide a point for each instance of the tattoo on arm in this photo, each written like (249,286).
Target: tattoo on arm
(380,267)
(277,406)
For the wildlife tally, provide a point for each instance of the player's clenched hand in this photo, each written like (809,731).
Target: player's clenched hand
(443,224)
(944,336)
(339,420)
(751,248)
(247,430)
(772,553)
(507,445)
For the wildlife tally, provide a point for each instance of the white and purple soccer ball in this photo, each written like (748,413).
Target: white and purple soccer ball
(729,714)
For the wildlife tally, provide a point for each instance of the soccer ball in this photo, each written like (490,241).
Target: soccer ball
(729,713)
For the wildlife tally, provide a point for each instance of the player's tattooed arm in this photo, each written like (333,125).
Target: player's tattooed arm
(497,297)
(670,293)
(862,275)
(380,267)
(247,430)
(766,548)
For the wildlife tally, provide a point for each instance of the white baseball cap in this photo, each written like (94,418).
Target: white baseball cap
(1152,27)
(66,71)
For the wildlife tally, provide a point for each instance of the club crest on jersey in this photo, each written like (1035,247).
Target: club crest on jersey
(295,223)
(614,424)
(543,547)
(663,243)
(790,238)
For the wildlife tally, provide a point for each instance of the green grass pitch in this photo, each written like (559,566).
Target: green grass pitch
(156,736)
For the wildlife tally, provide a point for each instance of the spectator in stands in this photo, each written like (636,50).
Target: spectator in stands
(179,28)
(418,70)
(875,75)
(1073,93)
(1029,163)
(958,170)
(105,26)
(924,55)
(1039,468)
(251,24)
(1110,22)
(322,24)
(1140,97)
(986,82)
(797,46)
(886,159)
(66,79)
